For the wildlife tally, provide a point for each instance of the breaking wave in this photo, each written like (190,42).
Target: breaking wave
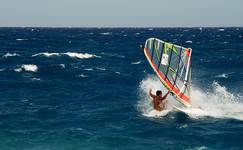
(70,54)
(27,67)
(217,103)
(10,55)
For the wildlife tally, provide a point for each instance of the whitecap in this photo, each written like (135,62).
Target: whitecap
(46,54)
(118,72)
(82,76)
(62,65)
(136,63)
(35,79)
(18,69)
(21,39)
(89,69)
(221,29)
(27,67)
(79,55)
(70,54)
(222,76)
(10,55)
(217,102)
(98,68)
(188,42)
(106,33)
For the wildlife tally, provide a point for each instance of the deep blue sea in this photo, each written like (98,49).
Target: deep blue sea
(86,89)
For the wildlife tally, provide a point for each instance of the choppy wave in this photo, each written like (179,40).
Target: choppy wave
(63,65)
(27,67)
(2,69)
(35,79)
(89,69)
(99,68)
(136,63)
(46,54)
(82,76)
(224,75)
(70,54)
(106,33)
(221,30)
(10,55)
(217,103)
(188,41)
(21,39)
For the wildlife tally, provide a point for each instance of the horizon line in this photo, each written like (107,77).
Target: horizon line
(121,27)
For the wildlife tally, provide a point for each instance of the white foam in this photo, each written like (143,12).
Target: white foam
(18,69)
(98,68)
(224,75)
(46,54)
(82,76)
(136,63)
(155,113)
(89,69)
(217,103)
(70,54)
(62,65)
(27,67)
(221,30)
(188,41)
(10,55)
(145,105)
(106,33)
(21,39)
(35,79)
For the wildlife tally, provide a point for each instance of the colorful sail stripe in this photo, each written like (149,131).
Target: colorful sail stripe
(181,96)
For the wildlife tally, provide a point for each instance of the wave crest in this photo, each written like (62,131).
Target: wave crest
(70,54)
(10,55)
(27,67)
(217,103)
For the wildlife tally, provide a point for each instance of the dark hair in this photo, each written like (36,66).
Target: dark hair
(158,93)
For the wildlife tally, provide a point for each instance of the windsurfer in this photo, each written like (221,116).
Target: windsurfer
(158,101)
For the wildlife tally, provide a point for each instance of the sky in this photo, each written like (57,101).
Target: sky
(121,13)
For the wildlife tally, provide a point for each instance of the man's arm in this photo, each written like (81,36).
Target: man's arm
(150,93)
(164,97)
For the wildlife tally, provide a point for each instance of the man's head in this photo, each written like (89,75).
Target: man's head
(158,93)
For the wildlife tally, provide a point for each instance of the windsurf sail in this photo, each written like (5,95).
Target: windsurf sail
(172,64)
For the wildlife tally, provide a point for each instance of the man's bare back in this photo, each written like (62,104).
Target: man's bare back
(158,100)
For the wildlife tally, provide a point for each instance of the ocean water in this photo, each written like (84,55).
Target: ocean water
(86,88)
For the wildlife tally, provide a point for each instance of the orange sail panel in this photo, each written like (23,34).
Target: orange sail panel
(172,64)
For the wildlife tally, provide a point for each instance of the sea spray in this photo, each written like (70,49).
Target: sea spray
(217,103)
